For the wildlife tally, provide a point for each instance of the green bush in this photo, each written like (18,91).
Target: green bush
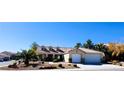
(50,67)
(75,65)
(34,65)
(61,66)
(14,65)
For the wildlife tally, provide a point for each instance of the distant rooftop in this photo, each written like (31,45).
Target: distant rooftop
(6,54)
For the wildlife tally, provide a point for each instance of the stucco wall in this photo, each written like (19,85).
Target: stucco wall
(74,51)
(66,57)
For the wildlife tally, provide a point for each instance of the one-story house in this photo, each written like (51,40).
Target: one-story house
(11,55)
(74,55)
(4,57)
(84,56)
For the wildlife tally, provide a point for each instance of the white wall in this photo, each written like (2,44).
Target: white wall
(66,57)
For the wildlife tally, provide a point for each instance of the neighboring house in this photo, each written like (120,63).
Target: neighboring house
(6,56)
(10,54)
(49,52)
(80,56)
(1,59)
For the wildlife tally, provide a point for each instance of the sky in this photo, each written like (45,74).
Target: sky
(15,36)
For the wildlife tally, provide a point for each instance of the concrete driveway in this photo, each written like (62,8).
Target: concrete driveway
(104,67)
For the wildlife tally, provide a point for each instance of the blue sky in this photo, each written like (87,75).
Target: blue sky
(16,36)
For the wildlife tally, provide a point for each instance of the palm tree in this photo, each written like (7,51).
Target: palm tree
(100,47)
(89,44)
(78,45)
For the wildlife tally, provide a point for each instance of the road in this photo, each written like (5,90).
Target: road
(6,63)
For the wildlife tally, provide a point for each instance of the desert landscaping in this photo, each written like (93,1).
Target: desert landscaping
(39,66)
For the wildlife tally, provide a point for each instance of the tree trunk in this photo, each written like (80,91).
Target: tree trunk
(27,62)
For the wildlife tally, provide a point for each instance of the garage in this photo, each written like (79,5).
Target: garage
(92,59)
(84,56)
(76,58)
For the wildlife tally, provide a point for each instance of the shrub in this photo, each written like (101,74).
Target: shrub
(34,65)
(61,66)
(121,64)
(50,67)
(69,64)
(43,62)
(9,66)
(19,62)
(75,66)
(14,65)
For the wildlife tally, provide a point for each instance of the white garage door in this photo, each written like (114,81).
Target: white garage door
(92,59)
(76,58)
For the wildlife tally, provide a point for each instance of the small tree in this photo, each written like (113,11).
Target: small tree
(28,55)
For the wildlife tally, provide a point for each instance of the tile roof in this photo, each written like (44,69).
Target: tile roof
(89,50)
(49,50)
(62,50)
(8,53)
(3,55)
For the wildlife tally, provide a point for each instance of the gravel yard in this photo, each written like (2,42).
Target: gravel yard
(39,66)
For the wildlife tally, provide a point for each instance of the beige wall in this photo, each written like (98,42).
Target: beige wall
(75,51)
